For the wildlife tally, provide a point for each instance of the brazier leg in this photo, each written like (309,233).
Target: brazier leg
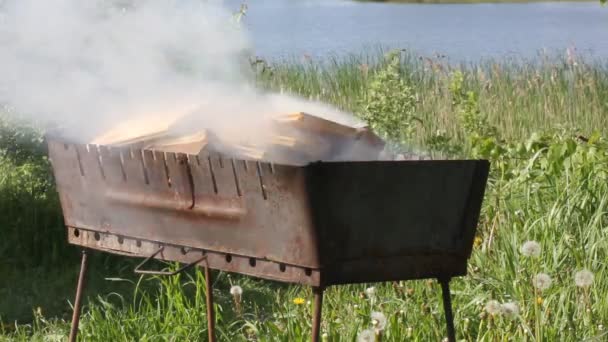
(316,318)
(447,308)
(210,309)
(77,300)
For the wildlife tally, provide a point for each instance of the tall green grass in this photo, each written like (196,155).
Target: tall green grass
(547,184)
(519,97)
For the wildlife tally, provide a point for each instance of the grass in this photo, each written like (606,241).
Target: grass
(546,185)
(518,97)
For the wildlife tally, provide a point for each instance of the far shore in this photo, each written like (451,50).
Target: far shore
(468,1)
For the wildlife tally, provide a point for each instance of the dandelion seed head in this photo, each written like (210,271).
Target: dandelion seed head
(530,249)
(583,278)
(236,290)
(378,320)
(370,291)
(493,307)
(510,309)
(542,281)
(366,336)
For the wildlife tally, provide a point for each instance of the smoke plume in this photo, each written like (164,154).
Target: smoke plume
(86,65)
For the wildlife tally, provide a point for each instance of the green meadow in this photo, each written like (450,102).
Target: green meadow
(538,271)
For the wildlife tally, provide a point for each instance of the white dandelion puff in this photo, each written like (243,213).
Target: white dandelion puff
(530,249)
(370,291)
(366,336)
(542,281)
(510,309)
(236,291)
(493,307)
(583,278)
(378,320)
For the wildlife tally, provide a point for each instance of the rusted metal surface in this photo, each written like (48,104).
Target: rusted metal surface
(319,225)
(316,316)
(185,254)
(210,308)
(77,300)
(379,221)
(447,308)
(139,270)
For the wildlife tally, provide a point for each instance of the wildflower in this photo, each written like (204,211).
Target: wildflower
(366,336)
(600,327)
(539,300)
(236,291)
(510,309)
(477,242)
(530,249)
(409,331)
(378,321)
(583,278)
(542,281)
(299,301)
(493,307)
(370,292)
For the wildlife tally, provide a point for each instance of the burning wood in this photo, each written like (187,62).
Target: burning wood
(294,138)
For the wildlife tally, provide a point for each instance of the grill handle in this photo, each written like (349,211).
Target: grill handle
(138,269)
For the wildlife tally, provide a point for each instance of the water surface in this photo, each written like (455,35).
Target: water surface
(464,32)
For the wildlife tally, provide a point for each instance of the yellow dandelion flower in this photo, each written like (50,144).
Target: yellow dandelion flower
(299,301)
(539,300)
(477,241)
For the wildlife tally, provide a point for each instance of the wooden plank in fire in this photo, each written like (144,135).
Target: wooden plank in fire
(190,144)
(294,137)
(324,127)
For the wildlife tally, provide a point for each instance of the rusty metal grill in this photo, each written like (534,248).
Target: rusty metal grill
(322,224)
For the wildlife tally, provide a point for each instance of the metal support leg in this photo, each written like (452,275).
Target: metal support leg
(210,309)
(77,300)
(316,318)
(447,308)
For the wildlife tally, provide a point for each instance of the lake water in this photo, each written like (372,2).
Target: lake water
(463,32)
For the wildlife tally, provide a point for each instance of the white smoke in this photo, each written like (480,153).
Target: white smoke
(87,65)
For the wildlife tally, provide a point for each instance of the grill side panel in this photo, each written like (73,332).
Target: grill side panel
(380,221)
(242,210)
